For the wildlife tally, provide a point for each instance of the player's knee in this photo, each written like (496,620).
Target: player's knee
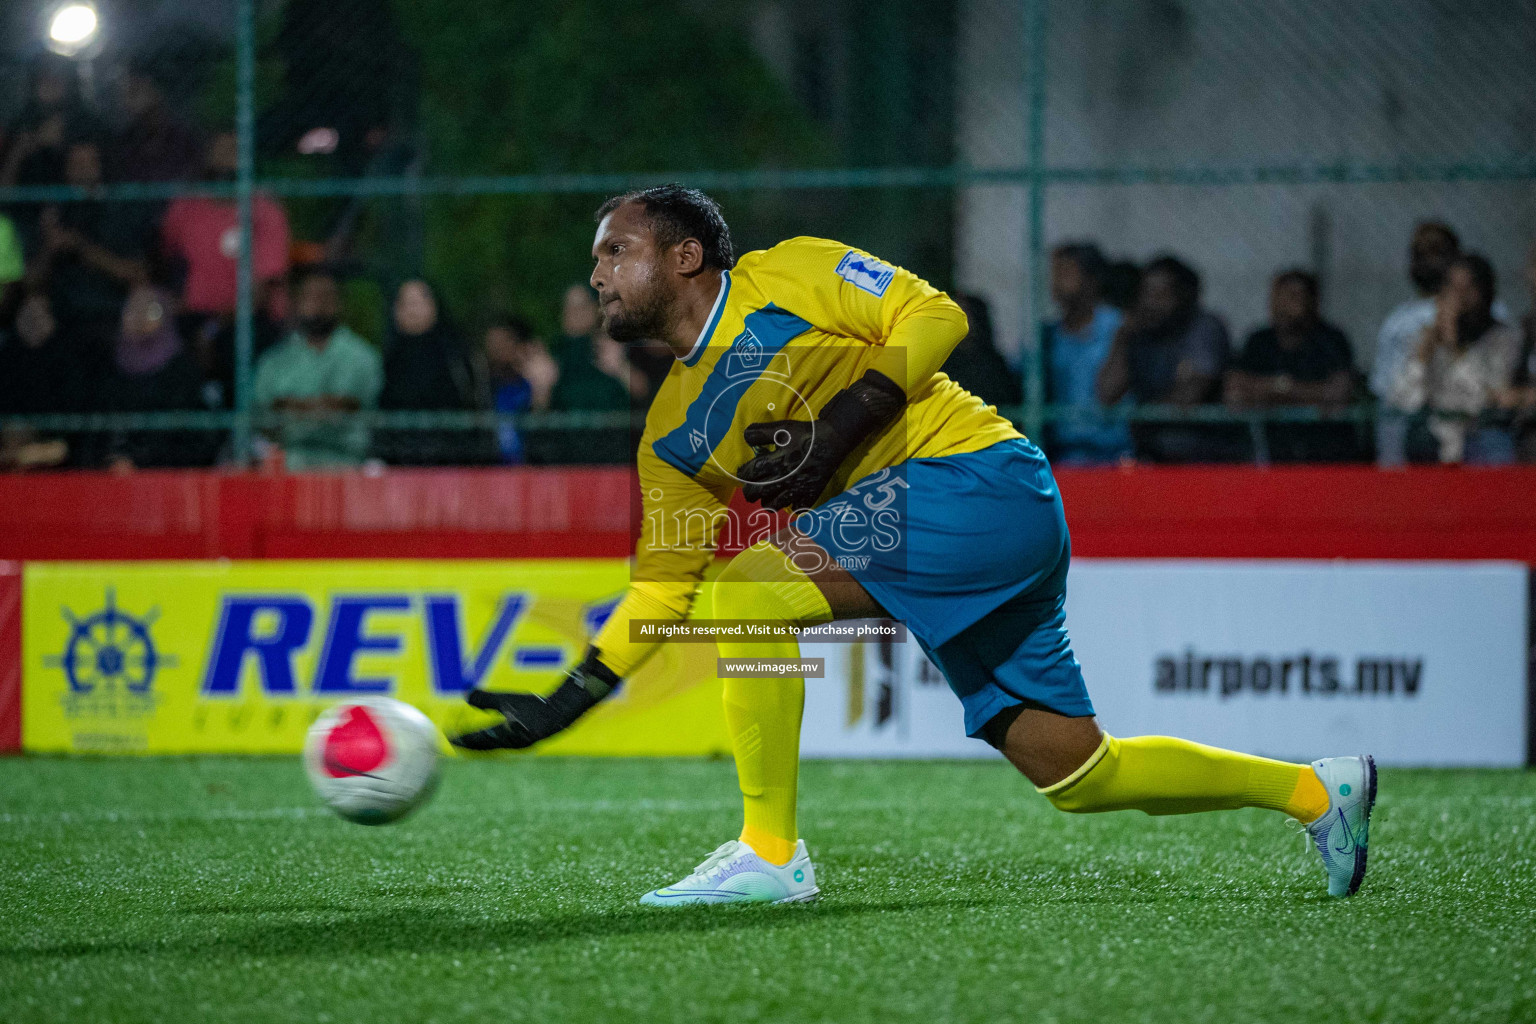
(743,599)
(760,583)
(1047,747)
(738,590)
(748,564)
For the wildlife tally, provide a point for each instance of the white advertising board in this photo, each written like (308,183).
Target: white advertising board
(1418,663)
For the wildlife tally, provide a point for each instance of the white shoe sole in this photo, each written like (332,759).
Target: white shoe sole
(1370,805)
(808,896)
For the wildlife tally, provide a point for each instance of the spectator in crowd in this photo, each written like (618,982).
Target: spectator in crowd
(39,373)
(1076,347)
(321,371)
(32,150)
(1299,360)
(1170,351)
(1431,249)
(428,366)
(523,376)
(1519,400)
(152,371)
(427,363)
(599,379)
(976,364)
(21,449)
(1122,283)
(1464,360)
(201,238)
(578,316)
(595,376)
(91,252)
(40,365)
(155,144)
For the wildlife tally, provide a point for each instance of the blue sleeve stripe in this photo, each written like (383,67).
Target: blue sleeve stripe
(709,417)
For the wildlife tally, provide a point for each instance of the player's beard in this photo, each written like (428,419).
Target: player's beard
(640,317)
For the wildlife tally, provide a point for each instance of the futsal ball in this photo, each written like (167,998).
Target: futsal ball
(372,760)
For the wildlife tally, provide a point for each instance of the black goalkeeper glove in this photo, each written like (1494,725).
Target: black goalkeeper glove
(796,459)
(531,718)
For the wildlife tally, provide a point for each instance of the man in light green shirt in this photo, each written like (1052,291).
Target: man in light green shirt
(319,371)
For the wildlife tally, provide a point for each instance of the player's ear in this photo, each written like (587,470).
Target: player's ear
(688,257)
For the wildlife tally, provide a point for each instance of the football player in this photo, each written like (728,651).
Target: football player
(807,376)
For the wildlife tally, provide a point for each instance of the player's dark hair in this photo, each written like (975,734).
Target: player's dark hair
(677,213)
(1088,258)
(1305,278)
(1186,282)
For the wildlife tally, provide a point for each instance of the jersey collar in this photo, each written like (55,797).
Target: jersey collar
(714,321)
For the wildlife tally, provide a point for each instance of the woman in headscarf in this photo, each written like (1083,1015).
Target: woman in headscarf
(152,371)
(1464,360)
(41,371)
(32,146)
(428,367)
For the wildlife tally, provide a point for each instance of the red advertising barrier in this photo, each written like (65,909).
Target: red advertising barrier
(1197,512)
(521,513)
(10,656)
(1429,512)
(1140,512)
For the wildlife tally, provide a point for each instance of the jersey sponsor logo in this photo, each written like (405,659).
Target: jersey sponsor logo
(866,272)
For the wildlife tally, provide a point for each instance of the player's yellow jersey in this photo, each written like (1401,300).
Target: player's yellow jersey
(794,325)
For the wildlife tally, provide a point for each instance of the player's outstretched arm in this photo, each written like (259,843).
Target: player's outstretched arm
(529,718)
(676,544)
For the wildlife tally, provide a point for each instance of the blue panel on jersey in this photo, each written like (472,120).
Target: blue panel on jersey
(767,331)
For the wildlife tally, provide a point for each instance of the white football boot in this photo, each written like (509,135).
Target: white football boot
(1342,835)
(734,873)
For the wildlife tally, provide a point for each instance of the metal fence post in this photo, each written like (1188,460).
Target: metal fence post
(1035,28)
(245,129)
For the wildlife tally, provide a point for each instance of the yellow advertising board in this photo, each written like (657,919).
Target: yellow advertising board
(240,657)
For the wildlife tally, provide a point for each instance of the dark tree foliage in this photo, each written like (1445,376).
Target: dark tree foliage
(518,87)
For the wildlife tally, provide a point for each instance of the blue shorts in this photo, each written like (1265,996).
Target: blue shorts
(971,552)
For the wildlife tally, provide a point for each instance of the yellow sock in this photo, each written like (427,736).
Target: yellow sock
(1163,775)
(763,715)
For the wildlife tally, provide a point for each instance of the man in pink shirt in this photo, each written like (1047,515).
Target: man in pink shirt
(202,236)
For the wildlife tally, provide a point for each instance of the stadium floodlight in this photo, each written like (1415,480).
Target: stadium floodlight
(73,27)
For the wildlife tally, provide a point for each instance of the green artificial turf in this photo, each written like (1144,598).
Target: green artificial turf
(215,889)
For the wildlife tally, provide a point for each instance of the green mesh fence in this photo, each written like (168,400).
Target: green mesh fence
(466,142)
